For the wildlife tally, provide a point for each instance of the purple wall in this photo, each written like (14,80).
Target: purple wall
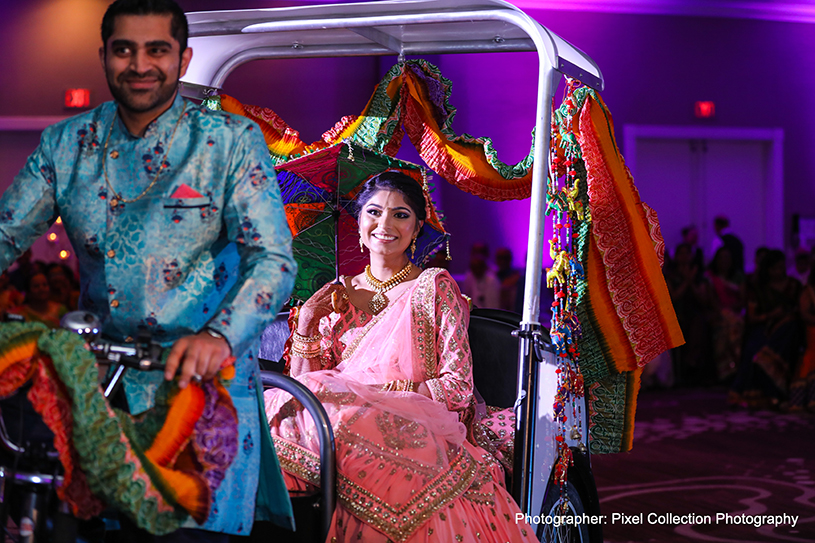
(655,67)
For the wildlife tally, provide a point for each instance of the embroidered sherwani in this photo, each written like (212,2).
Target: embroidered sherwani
(207,245)
(405,470)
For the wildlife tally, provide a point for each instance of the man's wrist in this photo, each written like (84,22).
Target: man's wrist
(217,335)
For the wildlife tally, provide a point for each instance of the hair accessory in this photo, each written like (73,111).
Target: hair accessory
(118,198)
(380,301)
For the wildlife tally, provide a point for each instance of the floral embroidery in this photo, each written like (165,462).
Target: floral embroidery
(263,301)
(172,273)
(220,276)
(88,138)
(248,443)
(401,433)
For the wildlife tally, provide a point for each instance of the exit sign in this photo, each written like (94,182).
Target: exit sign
(78,98)
(705,110)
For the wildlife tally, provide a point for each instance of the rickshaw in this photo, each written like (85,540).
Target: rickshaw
(224,40)
(518,346)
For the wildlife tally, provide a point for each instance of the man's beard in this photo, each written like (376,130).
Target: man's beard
(141,101)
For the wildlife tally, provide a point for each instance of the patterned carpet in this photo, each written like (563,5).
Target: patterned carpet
(700,471)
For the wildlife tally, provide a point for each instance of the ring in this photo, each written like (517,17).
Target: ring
(196,378)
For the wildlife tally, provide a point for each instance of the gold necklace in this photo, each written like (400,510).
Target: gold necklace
(118,198)
(380,301)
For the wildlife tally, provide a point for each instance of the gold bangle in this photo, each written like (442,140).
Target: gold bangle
(306,339)
(400,385)
(305,354)
(308,348)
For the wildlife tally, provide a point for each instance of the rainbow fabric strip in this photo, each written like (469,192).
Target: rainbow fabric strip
(153,467)
(624,308)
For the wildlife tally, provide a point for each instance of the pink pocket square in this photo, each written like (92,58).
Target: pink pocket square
(185,191)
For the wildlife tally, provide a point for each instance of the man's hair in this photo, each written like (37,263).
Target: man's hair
(178,24)
(721,221)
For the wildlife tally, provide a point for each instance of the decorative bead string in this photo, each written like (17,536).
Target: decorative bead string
(566,277)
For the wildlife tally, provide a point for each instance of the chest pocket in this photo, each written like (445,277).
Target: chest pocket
(182,210)
(187,203)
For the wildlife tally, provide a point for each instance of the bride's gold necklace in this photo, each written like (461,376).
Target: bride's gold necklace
(380,301)
(118,198)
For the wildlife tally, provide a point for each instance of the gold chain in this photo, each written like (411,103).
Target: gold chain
(380,301)
(117,198)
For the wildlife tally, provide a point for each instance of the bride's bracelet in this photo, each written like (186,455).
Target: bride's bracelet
(400,385)
(306,351)
(306,339)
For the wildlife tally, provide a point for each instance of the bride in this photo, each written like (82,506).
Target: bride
(387,354)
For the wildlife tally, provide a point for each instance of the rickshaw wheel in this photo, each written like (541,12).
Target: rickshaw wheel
(553,507)
(580,497)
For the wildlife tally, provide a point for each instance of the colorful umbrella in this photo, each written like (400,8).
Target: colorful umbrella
(318,191)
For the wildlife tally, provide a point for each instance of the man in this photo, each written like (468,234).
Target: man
(690,235)
(726,238)
(480,282)
(159,198)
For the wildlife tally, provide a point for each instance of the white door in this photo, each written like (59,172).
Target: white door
(691,180)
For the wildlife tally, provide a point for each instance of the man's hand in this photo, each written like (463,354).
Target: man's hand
(200,356)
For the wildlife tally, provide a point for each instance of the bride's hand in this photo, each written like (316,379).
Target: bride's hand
(331,298)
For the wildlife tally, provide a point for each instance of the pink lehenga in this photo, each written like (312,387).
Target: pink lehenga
(406,470)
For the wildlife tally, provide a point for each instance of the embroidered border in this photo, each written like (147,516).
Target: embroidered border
(423,311)
(298,460)
(400,522)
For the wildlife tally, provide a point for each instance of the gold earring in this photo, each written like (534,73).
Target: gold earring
(361,246)
(413,248)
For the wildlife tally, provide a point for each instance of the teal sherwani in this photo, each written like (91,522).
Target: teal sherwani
(207,246)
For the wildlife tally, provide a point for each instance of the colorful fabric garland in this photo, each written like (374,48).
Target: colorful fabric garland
(624,311)
(412,99)
(159,468)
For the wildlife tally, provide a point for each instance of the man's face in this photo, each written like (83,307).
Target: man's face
(143,63)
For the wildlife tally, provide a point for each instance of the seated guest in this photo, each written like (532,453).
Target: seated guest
(802,389)
(511,280)
(387,353)
(63,289)
(480,282)
(38,305)
(801,266)
(9,296)
(690,294)
(771,335)
(727,320)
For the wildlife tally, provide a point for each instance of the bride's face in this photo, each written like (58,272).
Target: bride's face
(387,223)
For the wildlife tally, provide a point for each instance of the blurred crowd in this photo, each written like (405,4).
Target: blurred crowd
(38,291)
(753,331)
